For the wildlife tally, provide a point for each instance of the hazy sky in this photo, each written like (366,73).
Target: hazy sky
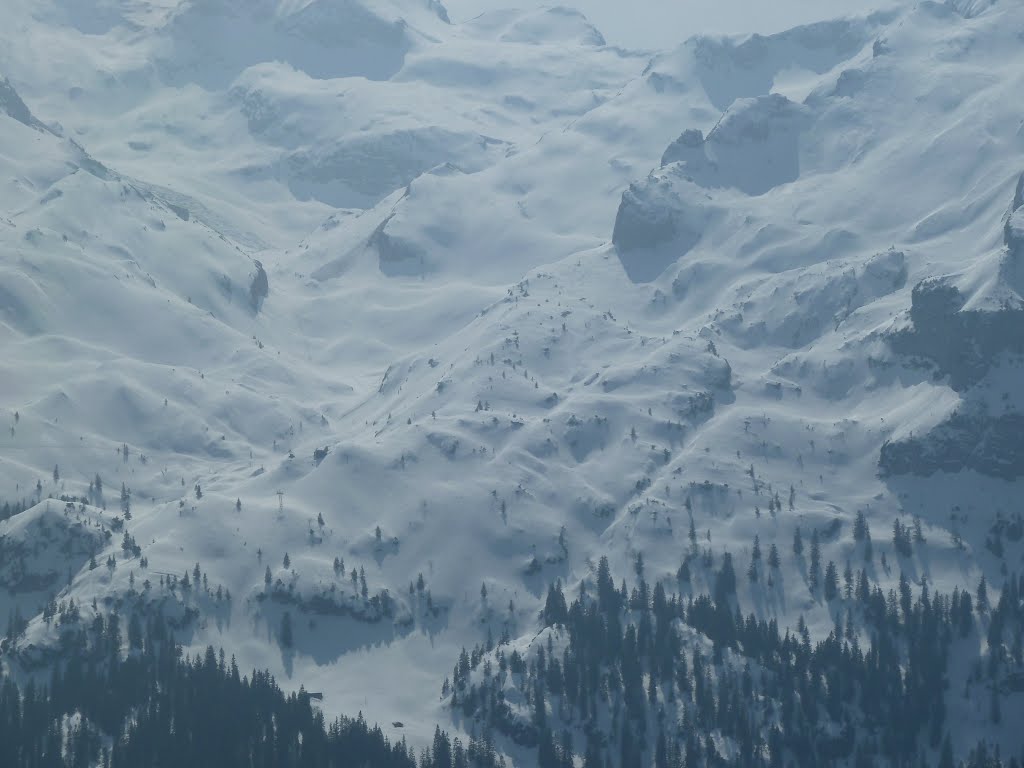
(666,23)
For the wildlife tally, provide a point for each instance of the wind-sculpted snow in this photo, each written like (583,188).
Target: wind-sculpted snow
(791,308)
(970,8)
(560,24)
(210,43)
(361,171)
(729,69)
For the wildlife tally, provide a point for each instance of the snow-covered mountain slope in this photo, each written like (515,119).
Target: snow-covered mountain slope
(345,283)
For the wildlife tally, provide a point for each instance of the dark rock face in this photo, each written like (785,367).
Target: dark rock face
(962,344)
(659,221)
(260,286)
(754,148)
(1018,195)
(689,144)
(11,103)
(397,256)
(641,225)
(1013,235)
(989,445)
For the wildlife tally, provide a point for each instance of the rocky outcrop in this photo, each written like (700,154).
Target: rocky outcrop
(978,441)
(259,288)
(12,105)
(961,343)
(688,146)
(644,220)
(396,255)
(734,68)
(753,149)
(755,146)
(965,334)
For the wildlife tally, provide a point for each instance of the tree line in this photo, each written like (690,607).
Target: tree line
(134,700)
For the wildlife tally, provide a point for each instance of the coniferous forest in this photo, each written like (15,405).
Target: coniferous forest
(617,678)
(154,707)
(638,678)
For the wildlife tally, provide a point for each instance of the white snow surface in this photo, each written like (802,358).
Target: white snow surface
(507,293)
